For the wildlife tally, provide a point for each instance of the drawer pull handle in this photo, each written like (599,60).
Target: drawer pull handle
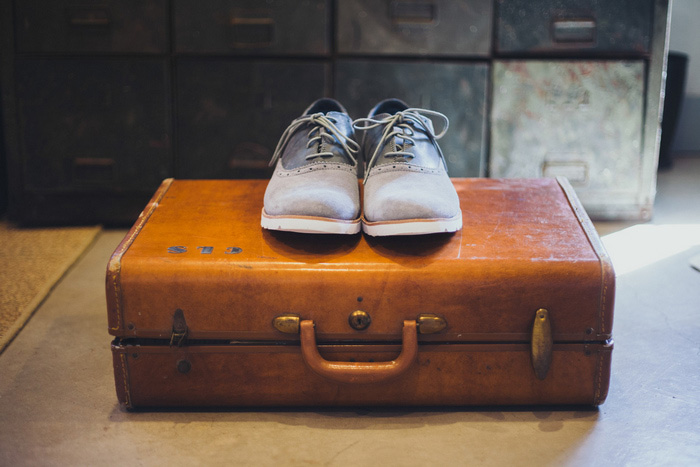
(252,33)
(406,13)
(88,17)
(94,169)
(579,31)
(359,372)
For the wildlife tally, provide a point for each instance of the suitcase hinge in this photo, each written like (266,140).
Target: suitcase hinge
(541,343)
(179,333)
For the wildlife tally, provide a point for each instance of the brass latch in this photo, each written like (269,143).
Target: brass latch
(179,332)
(429,323)
(541,343)
(287,323)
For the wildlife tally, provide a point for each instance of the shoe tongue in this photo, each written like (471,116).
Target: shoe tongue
(331,114)
(297,153)
(424,154)
(342,121)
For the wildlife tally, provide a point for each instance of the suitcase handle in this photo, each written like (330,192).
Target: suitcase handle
(358,372)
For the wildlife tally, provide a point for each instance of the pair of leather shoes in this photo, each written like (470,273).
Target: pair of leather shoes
(407,191)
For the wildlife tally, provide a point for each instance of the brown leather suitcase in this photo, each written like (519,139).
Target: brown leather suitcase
(208,309)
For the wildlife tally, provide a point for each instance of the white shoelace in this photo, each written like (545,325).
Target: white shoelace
(322,128)
(401,125)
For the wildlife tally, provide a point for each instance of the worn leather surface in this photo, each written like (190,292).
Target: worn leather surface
(460,374)
(297,149)
(523,247)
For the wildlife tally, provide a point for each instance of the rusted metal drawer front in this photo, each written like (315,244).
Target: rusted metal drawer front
(108,26)
(563,26)
(456,89)
(582,120)
(231,113)
(97,124)
(252,27)
(414,27)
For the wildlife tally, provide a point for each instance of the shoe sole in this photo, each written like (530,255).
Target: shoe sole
(412,226)
(309,224)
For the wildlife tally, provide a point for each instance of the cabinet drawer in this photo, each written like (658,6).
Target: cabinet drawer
(458,90)
(252,27)
(582,120)
(574,26)
(414,27)
(231,113)
(108,26)
(99,124)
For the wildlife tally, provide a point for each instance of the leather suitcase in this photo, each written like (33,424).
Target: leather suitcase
(209,309)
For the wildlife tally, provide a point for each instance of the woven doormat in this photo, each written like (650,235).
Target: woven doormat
(32,261)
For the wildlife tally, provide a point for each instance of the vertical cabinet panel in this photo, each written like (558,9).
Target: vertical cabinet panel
(579,119)
(532,88)
(231,113)
(94,124)
(457,90)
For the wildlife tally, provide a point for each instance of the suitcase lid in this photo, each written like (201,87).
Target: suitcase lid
(198,264)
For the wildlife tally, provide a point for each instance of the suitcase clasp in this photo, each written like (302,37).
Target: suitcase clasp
(541,345)
(287,323)
(429,323)
(179,333)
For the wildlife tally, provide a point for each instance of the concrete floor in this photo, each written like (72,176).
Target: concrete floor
(58,406)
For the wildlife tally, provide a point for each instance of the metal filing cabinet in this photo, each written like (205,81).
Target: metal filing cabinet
(578,119)
(429,27)
(93,106)
(231,110)
(252,27)
(456,89)
(584,113)
(105,27)
(102,100)
(574,27)
(368,31)
(92,125)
